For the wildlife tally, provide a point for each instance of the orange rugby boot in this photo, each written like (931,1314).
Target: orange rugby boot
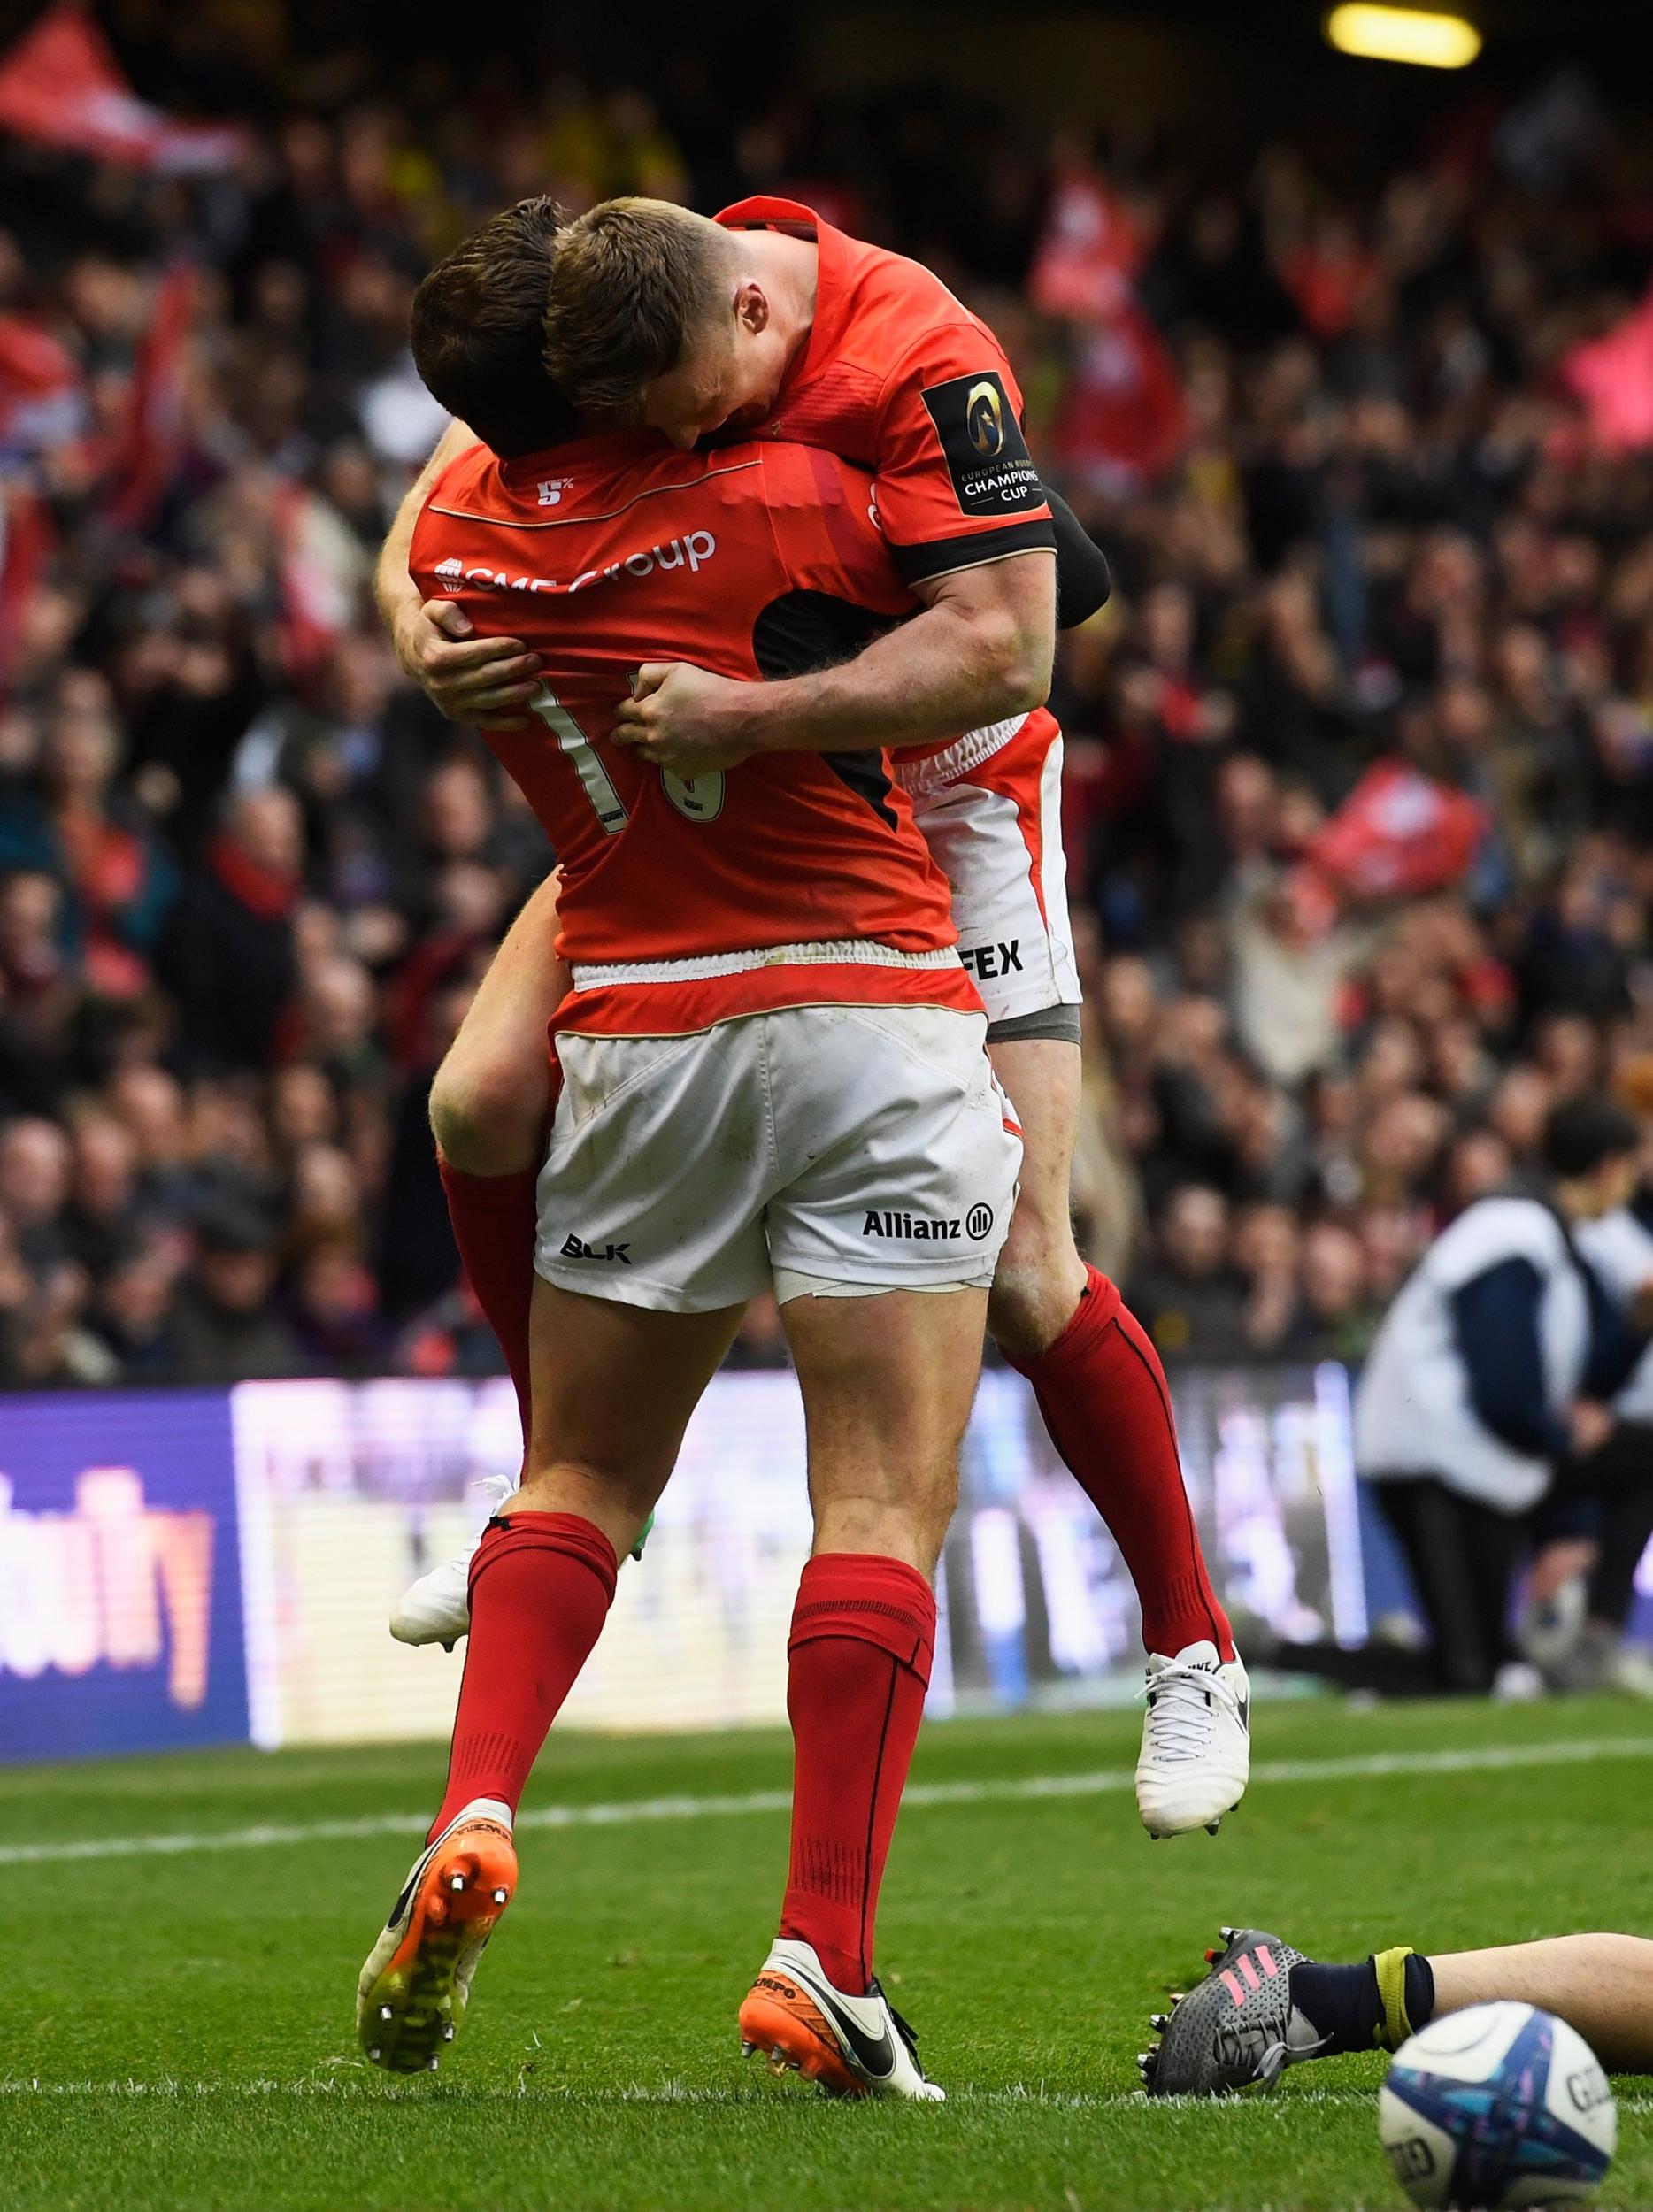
(851,2047)
(412,1991)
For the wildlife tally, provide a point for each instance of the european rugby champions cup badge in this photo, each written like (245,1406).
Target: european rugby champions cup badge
(981,440)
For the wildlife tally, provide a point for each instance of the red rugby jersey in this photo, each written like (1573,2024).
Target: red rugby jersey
(900,377)
(797,877)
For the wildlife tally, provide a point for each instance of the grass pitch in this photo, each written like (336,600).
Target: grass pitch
(177,2031)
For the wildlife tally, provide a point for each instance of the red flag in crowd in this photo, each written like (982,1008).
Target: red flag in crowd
(1398,834)
(27,535)
(151,438)
(1089,253)
(319,573)
(1613,376)
(1123,418)
(40,384)
(61,86)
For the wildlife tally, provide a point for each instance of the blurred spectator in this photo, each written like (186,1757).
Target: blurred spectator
(1338,1317)
(228,960)
(225,1323)
(333,1307)
(1189,1298)
(75,825)
(36,1164)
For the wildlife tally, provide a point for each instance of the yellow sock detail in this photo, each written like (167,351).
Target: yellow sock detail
(1391,1971)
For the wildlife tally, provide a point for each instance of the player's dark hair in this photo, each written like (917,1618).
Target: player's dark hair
(633,278)
(1583,1132)
(476,331)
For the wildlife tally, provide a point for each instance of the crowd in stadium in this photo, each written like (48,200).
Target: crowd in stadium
(1360,767)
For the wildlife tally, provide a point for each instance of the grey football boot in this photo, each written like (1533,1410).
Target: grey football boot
(1235,2028)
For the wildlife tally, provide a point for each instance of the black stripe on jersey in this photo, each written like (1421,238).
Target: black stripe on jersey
(945,556)
(802,631)
(864,774)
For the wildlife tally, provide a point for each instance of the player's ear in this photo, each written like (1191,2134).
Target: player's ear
(751,310)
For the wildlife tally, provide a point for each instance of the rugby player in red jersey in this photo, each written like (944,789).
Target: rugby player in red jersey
(768,319)
(771,1052)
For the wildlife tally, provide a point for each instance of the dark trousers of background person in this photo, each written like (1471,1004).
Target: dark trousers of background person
(1461,1557)
(1616,1482)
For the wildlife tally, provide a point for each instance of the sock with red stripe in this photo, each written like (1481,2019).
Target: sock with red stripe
(494,1225)
(1103,1392)
(541,1585)
(858,1665)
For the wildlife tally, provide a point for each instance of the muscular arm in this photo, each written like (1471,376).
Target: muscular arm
(981,650)
(467,677)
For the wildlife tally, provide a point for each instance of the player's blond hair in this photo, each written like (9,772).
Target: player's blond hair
(632,279)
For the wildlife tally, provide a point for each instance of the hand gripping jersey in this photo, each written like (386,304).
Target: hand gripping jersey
(793,880)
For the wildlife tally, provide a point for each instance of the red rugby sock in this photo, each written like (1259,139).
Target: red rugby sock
(541,1585)
(494,1224)
(858,1665)
(1102,1391)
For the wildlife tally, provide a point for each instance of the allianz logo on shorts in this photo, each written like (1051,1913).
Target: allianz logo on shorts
(925,1229)
(576,1247)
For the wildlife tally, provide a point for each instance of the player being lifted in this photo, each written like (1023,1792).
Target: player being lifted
(771,1042)
(768,319)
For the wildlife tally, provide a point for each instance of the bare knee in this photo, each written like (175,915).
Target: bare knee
(1038,1283)
(489,1109)
(909,1524)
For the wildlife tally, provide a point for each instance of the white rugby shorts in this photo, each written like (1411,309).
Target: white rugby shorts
(990,808)
(860,1147)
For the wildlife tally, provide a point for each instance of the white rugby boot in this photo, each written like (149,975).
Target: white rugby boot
(436,1608)
(411,1994)
(1196,1742)
(852,2047)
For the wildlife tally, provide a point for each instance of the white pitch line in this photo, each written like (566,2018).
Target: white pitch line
(627,1812)
(1283,2106)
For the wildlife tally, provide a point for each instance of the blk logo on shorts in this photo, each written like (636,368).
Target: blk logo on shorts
(576,1247)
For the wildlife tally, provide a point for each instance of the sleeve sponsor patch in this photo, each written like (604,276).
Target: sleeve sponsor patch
(987,456)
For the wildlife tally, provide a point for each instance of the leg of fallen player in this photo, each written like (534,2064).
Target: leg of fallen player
(541,1584)
(1601,1985)
(1265,2006)
(1103,1392)
(888,1383)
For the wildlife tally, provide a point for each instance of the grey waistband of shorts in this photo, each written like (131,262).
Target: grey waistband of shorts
(1060,1022)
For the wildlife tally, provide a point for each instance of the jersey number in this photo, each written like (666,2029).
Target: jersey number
(697,798)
